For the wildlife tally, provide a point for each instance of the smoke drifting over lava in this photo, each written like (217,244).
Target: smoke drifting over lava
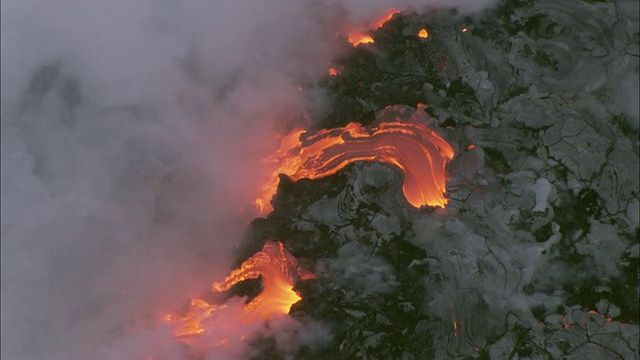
(130,131)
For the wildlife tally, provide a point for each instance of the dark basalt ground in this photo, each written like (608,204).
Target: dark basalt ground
(542,224)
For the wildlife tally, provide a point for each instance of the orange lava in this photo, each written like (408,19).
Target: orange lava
(423,33)
(357,36)
(279,271)
(333,72)
(379,22)
(411,146)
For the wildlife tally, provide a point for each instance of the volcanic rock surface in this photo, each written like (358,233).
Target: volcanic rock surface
(536,253)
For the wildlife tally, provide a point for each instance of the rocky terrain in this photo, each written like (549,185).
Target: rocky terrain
(536,254)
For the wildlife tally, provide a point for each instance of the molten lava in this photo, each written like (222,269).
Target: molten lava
(278,270)
(423,33)
(379,22)
(333,72)
(357,36)
(411,146)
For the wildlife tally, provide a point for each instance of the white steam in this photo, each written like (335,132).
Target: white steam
(130,135)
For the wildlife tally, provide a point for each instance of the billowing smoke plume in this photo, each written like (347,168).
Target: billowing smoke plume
(130,134)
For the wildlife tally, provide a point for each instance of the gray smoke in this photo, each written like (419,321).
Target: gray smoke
(130,135)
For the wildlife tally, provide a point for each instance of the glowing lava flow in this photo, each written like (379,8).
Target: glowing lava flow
(279,271)
(357,36)
(417,150)
(379,22)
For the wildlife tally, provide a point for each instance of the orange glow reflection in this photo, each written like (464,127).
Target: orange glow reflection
(411,146)
(278,270)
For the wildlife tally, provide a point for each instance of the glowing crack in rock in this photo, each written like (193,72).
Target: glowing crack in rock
(414,148)
(210,325)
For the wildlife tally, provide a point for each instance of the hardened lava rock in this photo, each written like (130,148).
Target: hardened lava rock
(536,253)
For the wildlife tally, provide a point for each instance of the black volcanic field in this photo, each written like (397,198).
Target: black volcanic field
(536,254)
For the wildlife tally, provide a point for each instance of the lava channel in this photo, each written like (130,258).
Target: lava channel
(414,148)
